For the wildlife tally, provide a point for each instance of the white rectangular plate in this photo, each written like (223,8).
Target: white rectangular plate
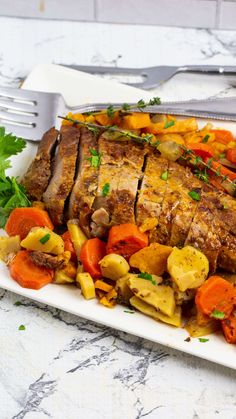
(80,88)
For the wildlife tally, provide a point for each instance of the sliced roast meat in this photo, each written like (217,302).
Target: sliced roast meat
(85,186)
(152,189)
(62,179)
(37,177)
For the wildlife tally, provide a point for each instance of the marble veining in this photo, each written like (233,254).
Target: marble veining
(62,366)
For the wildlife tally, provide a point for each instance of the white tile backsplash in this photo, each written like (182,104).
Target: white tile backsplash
(185,13)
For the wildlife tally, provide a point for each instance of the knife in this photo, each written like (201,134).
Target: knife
(150,77)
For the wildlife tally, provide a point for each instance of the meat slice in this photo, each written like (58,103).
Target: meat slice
(121,169)
(62,179)
(85,186)
(183,215)
(152,189)
(37,177)
(47,261)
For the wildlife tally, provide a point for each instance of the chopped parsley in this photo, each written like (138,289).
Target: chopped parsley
(164,175)
(17,303)
(129,311)
(194,195)
(106,189)
(147,276)
(21,327)
(169,124)
(206,138)
(45,238)
(95,159)
(203,340)
(216,314)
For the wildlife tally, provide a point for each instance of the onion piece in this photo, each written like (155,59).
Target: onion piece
(170,150)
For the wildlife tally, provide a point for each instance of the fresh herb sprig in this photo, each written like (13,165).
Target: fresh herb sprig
(12,194)
(141,104)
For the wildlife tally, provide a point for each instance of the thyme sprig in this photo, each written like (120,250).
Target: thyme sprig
(201,167)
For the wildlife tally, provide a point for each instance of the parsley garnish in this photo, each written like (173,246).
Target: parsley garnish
(12,194)
(106,189)
(203,340)
(21,327)
(206,138)
(95,159)
(164,175)
(194,195)
(216,314)
(129,311)
(148,277)
(169,124)
(45,238)
(17,303)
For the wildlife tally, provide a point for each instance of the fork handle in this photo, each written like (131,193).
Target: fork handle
(209,69)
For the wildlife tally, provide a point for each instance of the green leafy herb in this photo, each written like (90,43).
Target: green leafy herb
(216,314)
(95,159)
(110,111)
(164,175)
(225,206)
(202,175)
(154,101)
(17,303)
(147,276)
(106,189)
(21,327)
(125,107)
(45,238)
(129,311)
(203,340)
(222,156)
(206,138)
(141,104)
(194,195)
(169,124)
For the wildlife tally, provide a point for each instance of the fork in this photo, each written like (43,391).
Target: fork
(28,114)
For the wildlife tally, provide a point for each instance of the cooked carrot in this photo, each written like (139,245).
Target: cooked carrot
(107,303)
(223,170)
(229,328)
(68,245)
(216,295)
(222,136)
(126,239)
(103,286)
(21,220)
(92,251)
(27,274)
(201,149)
(231,155)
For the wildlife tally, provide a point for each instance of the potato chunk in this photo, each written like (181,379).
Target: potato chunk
(151,259)
(9,246)
(42,239)
(188,267)
(159,296)
(87,285)
(197,330)
(174,320)
(77,236)
(123,291)
(114,266)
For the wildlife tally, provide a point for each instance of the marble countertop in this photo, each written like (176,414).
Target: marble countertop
(64,367)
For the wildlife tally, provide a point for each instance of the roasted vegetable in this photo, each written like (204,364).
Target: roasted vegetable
(197,330)
(77,236)
(87,285)
(9,246)
(159,296)
(174,320)
(188,267)
(61,278)
(123,291)
(114,266)
(151,259)
(43,239)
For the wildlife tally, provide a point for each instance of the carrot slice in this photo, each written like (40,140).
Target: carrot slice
(201,149)
(229,328)
(21,220)
(103,286)
(126,239)
(68,245)
(27,274)
(222,136)
(231,155)
(215,295)
(92,251)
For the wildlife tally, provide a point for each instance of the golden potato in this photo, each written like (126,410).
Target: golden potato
(159,296)
(77,236)
(114,266)
(196,330)
(188,267)
(9,246)
(151,259)
(87,285)
(174,320)
(61,278)
(122,288)
(43,239)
